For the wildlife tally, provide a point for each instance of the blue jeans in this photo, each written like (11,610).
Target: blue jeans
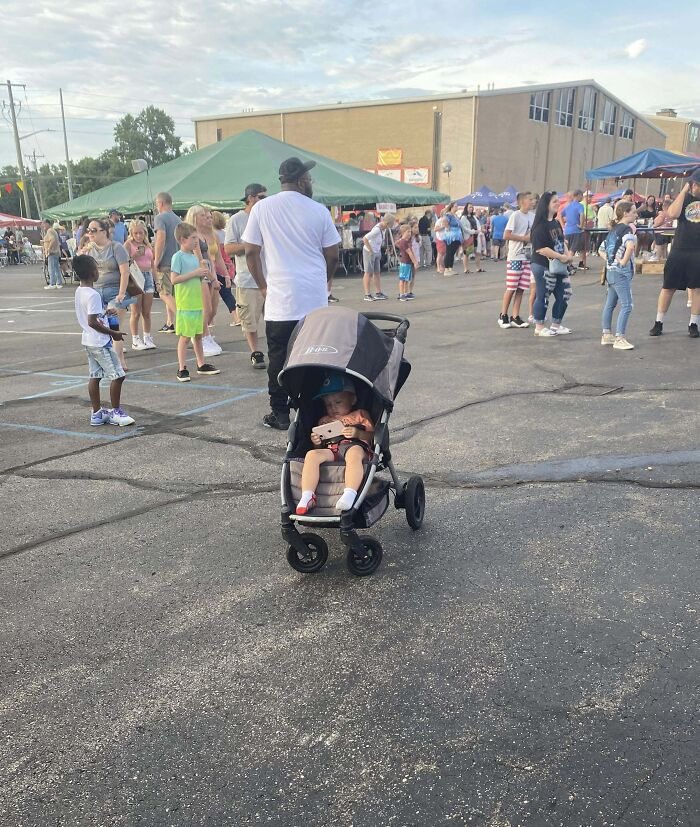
(55,276)
(547,285)
(619,289)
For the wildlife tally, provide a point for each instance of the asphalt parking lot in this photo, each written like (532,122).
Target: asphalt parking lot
(530,657)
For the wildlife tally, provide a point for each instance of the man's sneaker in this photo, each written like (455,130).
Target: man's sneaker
(137,344)
(207,370)
(277,420)
(257,360)
(48,287)
(409,297)
(332,299)
(546,331)
(657,330)
(183,375)
(210,346)
(369,297)
(380,297)
(622,344)
(516,321)
(148,343)
(504,321)
(167,328)
(100,417)
(403,297)
(607,339)
(693,331)
(118,416)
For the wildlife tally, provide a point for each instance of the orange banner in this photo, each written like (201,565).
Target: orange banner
(389,157)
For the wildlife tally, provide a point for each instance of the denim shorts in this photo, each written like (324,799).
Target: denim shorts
(109,293)
(103,363)
(149,286)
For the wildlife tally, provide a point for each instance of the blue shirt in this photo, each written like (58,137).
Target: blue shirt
(119,233)
(572,213)
(498,226)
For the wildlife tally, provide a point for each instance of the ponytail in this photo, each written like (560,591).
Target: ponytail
(621,208)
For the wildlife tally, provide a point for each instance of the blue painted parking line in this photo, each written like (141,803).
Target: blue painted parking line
(96,434)
(213,405)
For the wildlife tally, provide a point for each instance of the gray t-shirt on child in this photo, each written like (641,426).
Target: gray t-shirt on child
(235,227)
(167,221)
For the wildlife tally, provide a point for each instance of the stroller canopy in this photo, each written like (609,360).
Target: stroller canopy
(336,338)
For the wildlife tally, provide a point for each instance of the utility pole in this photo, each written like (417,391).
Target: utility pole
(65,143)
(36,181)
(20,162)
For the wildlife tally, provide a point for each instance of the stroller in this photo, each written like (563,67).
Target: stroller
(344,341)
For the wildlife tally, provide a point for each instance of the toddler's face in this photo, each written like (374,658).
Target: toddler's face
(339,404)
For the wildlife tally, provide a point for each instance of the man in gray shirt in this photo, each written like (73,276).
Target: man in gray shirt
(249,300)
(165,248)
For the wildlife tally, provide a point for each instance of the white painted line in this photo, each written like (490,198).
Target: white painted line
(42,332)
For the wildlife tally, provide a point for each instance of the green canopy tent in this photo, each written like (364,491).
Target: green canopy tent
(217,176)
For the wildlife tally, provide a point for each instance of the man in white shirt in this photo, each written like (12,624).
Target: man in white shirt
(372,257)
(517,234)
(605,215)
(301,253)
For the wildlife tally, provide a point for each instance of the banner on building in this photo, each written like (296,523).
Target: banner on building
(418,176)
(386,206)
(394,174)
(389,157)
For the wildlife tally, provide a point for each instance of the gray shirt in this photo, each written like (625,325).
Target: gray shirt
(235,227)
(108,260)
(167,221)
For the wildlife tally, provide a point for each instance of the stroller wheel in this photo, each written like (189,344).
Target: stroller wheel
(314,559)
(368,562)
(414,496)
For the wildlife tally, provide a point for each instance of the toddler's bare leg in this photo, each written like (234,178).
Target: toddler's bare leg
(354,471)
(312,467)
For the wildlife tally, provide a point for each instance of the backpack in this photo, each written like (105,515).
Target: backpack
(613,240)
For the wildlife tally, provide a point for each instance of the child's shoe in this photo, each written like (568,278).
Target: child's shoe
(148,342)
(207,370)
(118,416)
(100,417)
(183,375)
(306,503)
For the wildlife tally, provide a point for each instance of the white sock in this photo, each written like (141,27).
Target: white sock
(305,499)
(346,501)
(660,317)
(695,319)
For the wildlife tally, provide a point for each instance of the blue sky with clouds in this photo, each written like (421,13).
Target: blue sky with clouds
(225,55)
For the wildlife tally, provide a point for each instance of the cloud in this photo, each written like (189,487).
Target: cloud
(636,48)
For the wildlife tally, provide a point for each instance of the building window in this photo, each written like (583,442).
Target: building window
(586,114)
(607,123)
(219,134)
(565,108)
(539,106)
(693,133)
(627,126)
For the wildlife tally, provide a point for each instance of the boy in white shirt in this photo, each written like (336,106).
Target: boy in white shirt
(517,234)
(103,362)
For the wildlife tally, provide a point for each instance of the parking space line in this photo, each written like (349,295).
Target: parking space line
(213,405)
(61,432)
(43,332)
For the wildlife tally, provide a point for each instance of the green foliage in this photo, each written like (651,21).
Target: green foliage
(150,135)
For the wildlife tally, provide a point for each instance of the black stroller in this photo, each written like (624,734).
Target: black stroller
(344,341)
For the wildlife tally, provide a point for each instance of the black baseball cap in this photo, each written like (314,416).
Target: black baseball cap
(253,189)
(293,168)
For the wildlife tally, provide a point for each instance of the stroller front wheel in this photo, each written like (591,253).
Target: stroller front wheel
(414,499)
(366,562)
(315,557)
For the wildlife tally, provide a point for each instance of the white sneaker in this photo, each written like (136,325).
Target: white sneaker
(622,344)
(59,287)
(448,272)
(560,331)
(607,339)
(118,416)
(148,342)
(48,287)
(211,348)
(531,320)
(544,332)
(137,344)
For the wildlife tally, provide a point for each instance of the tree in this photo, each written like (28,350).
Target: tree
(149,135)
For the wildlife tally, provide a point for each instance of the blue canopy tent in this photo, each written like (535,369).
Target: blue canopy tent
(649,163)
(508,196)
(483,197)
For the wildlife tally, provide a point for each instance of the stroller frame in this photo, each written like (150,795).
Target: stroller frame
(308,553)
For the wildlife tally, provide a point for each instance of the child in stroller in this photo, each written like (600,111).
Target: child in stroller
(352,444)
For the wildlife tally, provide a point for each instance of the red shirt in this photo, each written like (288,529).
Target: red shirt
(404,245)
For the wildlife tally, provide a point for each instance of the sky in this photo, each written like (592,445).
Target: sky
(223,56)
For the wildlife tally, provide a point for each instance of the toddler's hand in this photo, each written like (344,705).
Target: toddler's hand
(349,432)
(316,439)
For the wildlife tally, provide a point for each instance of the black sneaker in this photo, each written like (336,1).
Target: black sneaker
(257,360)
(516,321)
(183,375)
(167,328)
(207,370)
(504,321)
(277,420)
(657,330)
(332,299)
(693,331)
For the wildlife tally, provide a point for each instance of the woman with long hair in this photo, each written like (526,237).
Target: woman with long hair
(140,252)
(550,266)
(200,218)
(453,237)
(218,220)
(113,264)
(618,251)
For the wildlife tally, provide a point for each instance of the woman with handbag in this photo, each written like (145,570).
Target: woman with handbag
(113,264)
(140,252)
(550,266)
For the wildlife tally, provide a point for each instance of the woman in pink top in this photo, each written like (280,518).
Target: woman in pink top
(140,251)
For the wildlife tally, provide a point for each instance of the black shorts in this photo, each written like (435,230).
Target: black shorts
(682,270)
(574,242)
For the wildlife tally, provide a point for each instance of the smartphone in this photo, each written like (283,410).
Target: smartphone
(330,431)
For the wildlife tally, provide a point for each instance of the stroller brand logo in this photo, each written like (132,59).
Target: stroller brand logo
(320,349)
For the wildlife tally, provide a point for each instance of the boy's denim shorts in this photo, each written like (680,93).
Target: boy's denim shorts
(103,363)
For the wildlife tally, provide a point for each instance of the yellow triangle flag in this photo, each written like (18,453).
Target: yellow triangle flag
(20,184)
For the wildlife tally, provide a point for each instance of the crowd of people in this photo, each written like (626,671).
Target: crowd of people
(275,260)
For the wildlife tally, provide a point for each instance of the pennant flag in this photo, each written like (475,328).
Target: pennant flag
(20,184)
(8,187)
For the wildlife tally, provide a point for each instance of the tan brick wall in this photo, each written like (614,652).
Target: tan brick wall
(457,146)
(678,132)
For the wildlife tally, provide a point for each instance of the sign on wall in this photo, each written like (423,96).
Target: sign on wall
(389,157)
(386,206)
(419,176)
(394,174)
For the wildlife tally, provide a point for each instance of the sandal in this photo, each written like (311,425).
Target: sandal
(304,509)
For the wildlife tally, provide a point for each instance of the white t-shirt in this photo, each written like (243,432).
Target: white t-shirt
(375,237)
(519,223)
(88,302)
(235,227)
(294,230)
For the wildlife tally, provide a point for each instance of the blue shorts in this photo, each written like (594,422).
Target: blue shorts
(109,294)
(103,363)
(405,272)
(149,286)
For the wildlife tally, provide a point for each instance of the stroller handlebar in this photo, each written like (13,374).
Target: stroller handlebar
(402,323)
